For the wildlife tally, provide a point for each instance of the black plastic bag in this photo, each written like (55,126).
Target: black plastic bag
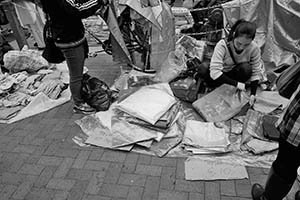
(96,93)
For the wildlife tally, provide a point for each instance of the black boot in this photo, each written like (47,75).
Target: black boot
(257,192)
(276,187)
(297,195)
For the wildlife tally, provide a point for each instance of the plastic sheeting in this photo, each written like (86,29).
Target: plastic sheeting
(149,103)
(40,103)
(277,22)
(221,104)
(162,26)
(107,129)
(204,134)
(268,101)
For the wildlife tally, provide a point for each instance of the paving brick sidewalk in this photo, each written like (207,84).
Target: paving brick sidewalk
(39,161)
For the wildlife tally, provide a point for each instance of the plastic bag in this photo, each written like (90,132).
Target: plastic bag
(96,93)
(171,68)
(29,60)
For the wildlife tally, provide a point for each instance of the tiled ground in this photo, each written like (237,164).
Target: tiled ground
(39,161)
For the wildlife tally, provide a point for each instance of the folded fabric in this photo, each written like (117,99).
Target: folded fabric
(19,76)
(257,146)
(221,104)
(15,99)
(8,113)
(149,103)
(163,123)
(268,101)
(51,87)
(6,83)
(204,134)
(124,133)
(252,126)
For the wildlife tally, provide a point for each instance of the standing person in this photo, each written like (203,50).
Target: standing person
(241,65)
(65,21)
(283,172)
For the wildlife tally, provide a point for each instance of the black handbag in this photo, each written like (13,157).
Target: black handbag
(51,53)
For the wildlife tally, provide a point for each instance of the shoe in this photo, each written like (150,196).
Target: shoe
(83,108)
(257,192)
(297,195)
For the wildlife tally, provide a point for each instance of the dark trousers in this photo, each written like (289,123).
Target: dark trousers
(287,161)
(75,57)
(241,73)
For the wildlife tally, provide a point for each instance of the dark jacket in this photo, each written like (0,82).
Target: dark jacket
(65,18)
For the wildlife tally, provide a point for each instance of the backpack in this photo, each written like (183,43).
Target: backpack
(288,81)
(96,93)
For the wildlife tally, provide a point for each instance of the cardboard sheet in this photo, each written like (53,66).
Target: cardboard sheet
(198,169)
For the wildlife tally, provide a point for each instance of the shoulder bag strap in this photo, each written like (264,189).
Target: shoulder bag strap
(47,27)
(231,53)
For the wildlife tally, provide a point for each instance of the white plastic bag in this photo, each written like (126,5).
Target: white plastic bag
(171,68)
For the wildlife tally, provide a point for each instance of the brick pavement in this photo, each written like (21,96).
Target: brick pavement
(39,161)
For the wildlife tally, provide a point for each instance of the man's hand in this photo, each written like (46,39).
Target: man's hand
(241,86)
(252,100)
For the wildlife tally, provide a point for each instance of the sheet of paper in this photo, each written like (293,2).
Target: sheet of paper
(198,169)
